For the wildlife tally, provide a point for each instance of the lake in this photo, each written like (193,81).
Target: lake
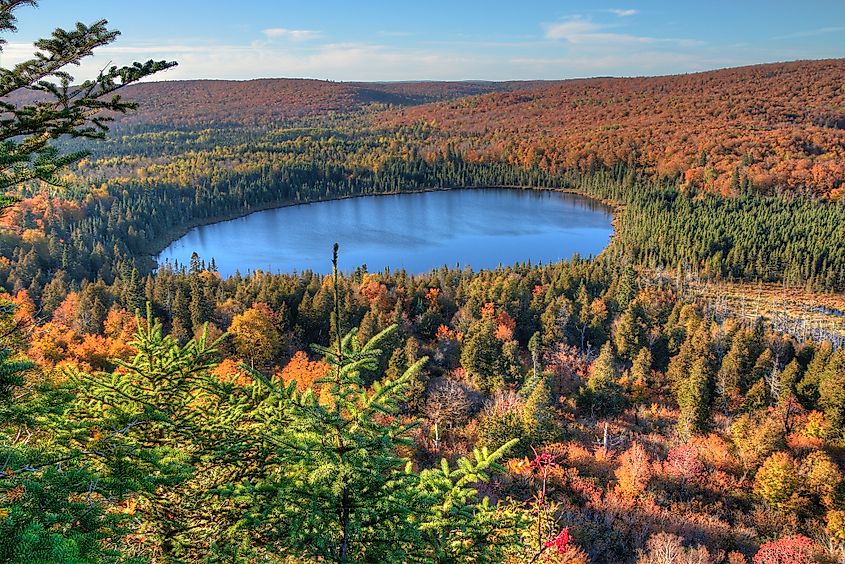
(477,228)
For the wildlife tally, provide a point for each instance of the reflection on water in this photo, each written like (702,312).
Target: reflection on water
(476,228)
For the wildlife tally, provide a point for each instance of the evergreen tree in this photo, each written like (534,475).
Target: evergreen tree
(535,347)
(808,387)
(629,334)
(640,375)
(603,395)
(201,306)
(480,356)
(164,402)
(28,129)
(626,288)
(49,519)
(694,398)
(537,414)
(832,393)
(334,486)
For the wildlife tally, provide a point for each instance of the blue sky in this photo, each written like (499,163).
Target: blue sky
(445,40)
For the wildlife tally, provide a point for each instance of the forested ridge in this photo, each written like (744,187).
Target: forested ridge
(593,410)
(779,125)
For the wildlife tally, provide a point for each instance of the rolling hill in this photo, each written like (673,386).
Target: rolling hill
(780,125)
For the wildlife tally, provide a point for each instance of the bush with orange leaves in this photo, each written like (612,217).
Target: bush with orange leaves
(303,371)
(634,473)
(92,352)
(232,372)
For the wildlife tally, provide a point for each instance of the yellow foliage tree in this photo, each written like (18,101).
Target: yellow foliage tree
(255,337)
(777,481)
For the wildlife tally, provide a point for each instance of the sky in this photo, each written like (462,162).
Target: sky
(443,40)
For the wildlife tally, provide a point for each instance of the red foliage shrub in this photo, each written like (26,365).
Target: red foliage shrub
(788,550)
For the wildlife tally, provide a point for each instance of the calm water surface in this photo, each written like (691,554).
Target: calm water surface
(479,228)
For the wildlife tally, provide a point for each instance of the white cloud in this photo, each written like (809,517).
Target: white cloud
(291,34)
(577,46)
(622,13)
(579,30)
(811,32)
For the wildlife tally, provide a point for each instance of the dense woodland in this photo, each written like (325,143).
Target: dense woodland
(591,410)
(780,125)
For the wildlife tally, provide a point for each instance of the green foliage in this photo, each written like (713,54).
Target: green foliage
(335,486)
(755,437)
(53,506)
(694,398)
(481,356)
(808,387)
(538,414)
(156,420)
(603,395)
(499,427)
(456,527)
(629,333)
(61,108)
(832,393)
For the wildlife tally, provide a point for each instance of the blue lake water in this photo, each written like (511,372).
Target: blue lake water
(478,228)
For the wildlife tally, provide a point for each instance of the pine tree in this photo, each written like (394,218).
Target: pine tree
(629,334)
(333,485)
(603,395)
(832,393)
(61,110)
(47,486)
(535,348)
(480,355)
(45,515)
(626,288)
(163,402)
(537,414)
(808,387)
(640,375)
(694,395)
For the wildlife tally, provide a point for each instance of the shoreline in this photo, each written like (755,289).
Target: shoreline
(168,238)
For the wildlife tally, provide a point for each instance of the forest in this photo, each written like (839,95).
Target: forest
(592,410)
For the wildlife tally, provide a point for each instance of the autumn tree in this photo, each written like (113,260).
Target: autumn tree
(756,436)
(821,478)
(777,480)
(255,336)
(634,472)
(306,373)
(797,549)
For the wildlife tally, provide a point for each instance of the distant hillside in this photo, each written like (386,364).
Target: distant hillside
(264,101)
(776,126)
(779,125)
